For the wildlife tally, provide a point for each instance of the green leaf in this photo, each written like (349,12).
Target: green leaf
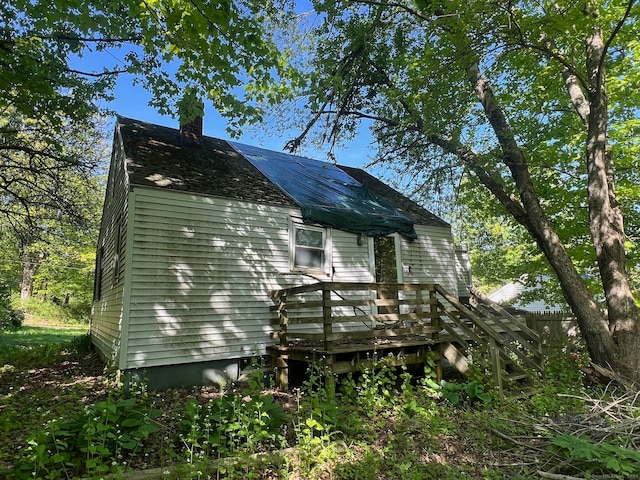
(130,445)
(565,441)
(149,428)
(484,397)
(471,389)
(613,464)
(130,422)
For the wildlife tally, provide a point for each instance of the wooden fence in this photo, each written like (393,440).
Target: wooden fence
(557,330)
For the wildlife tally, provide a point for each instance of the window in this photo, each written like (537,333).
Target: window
(117,248)
(97,284)
(309,248)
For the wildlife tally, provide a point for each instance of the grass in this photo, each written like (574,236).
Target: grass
(47,313)
(40,345)
(29,337)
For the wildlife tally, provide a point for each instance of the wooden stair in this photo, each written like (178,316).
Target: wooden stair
(513,349)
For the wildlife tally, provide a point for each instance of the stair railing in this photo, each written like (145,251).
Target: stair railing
(504,338)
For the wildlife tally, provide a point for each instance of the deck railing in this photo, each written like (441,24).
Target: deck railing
(508,337)
(329,312)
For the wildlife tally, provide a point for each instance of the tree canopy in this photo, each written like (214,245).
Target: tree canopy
(532,103)
(61,58)
(50,207)
(59,61)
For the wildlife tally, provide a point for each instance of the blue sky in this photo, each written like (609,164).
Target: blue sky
(133,101)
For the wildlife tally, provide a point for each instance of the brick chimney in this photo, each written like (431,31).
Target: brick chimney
(191,132)
(191,111)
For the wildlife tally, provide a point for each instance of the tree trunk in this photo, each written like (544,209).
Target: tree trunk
(606,221)
(616,348)
(30,267)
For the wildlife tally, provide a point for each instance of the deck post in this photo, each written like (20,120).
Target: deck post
(282,367)
(282,364)
(419,308)
(496,363)
(434,316)
(284,320)
(434,319)
(326,318)
(329,380)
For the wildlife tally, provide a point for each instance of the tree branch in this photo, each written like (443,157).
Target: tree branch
(471,160)
(400,6)
(613,35)
(576,95)
(546,48)
(10,42)
(95,74)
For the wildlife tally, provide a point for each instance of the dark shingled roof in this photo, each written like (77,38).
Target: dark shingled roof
(155,157)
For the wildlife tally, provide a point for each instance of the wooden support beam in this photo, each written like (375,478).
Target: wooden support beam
(326,319)
(455,357)
(282,370)
(496,363)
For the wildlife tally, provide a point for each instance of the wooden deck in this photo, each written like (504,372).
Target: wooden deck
(345,326)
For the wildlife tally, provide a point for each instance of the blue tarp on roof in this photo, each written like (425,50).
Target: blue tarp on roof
(327,195)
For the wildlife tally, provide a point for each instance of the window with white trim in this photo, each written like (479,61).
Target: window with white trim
(309,248)
(117,253)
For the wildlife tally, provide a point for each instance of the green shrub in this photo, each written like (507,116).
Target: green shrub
(563,382)
(10,318)
(563,370)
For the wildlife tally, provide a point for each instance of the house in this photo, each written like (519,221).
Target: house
(196,232)
(526,295)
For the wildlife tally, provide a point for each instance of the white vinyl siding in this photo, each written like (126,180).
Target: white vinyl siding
(196,272)
(202,271)
(430,258)
(107,310)
(463,271)
(351,261)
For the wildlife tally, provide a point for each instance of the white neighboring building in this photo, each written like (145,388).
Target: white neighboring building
(510,294)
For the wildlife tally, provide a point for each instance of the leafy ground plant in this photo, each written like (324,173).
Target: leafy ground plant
(396,427)
(231,424)
(100,439)
(469,392)
(598,458)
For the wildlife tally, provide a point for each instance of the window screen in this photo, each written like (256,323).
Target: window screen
(309,248)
